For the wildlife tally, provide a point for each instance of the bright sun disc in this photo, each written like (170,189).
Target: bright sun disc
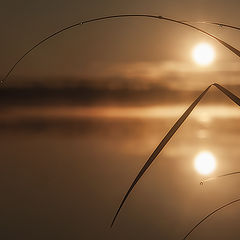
(205,163)
(203,54)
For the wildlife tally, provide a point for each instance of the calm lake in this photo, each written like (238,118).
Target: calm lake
(65,170)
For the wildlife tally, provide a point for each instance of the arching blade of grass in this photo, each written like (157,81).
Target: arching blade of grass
(214,23)
(231,48)
(209,215)
(159,148)
(229,94)
(220,176)
(168,136)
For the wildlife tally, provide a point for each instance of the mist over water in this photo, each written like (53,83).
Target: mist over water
(63,175)
(68,155)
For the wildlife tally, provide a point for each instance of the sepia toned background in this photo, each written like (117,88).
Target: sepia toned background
(83,112)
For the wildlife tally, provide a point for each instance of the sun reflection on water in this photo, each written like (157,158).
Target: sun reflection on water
(205,162)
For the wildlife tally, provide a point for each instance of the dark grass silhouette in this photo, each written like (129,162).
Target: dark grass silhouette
(209,215)
(217,177)
(185,23)
(169,135)
(216,210)
(214,23)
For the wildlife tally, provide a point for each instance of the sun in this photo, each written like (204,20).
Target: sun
(205,163)
(203,54)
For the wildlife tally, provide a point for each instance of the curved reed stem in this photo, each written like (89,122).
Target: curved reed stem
(220,176)
(167,138)
(231,48)
(209,215)
(214,23)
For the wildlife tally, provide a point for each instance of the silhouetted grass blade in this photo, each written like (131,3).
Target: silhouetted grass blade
(215,23)
(210,214)
(159,148)
(220,176)
(169,135)
(229,94)
(231,48)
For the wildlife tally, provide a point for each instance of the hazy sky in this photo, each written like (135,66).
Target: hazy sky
(125,49)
